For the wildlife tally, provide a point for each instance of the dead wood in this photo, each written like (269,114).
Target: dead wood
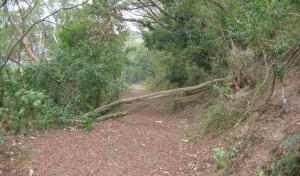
(174,95)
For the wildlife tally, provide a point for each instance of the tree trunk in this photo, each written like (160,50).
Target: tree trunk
(178,95)
(1,81)
(1,89)
(25,42)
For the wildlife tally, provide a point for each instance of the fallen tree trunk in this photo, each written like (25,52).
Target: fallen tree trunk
(150,103)
(178,95)
(147,104)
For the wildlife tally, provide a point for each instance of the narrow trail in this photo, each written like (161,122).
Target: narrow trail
(155,142)
(148,142)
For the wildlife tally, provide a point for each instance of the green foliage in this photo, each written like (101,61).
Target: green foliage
(290,141)
(279,70)
(196,35)
(28,109)
(221,90)
(220,118)
(259,22)
(46,77)
(30,101)
(261,173)
(189,45)
(84,72)
(220,156)
(223,157)
(138,60)
(88,125)
(287,165)
(213,119)
(2,134)
(177,74)
(289,162)
(71,35)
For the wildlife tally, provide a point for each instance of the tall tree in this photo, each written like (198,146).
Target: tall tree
(85,71)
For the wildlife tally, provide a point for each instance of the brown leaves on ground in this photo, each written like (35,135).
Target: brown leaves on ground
(155,141)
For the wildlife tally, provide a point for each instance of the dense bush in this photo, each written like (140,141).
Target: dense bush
(25,109)
(84,73)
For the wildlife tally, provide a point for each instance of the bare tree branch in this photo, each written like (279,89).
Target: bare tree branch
(155,17)
(160,8)
(3,4)
(16,61)
(158,96)
(31,9)
(37,22)
(24,41)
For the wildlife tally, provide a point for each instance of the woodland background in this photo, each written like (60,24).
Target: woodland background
(60,59)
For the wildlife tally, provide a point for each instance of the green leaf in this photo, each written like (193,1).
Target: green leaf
(40,95)
(261,173)
(23,98)
(32,97)
(219,153)
(22,111)
(18,93)
(216,150)
(37,102)
(223,162)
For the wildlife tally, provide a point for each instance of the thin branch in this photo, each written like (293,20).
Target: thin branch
(163,11)
(254,98)
(155,18)
(16,61)
(139,21)
(47,21)
(272,91)
(30,10)
(20,10)
(37,22)
(137,6)
(24,39)
(3,4)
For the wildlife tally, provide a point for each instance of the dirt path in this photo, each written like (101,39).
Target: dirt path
(156,142)
(148,142)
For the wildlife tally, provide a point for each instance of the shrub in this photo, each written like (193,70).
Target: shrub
(289,165)
(220,118)
(29,109)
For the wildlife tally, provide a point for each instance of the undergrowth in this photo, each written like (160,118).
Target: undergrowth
(220,118)
(287,165)
(223,158)
(29,110)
